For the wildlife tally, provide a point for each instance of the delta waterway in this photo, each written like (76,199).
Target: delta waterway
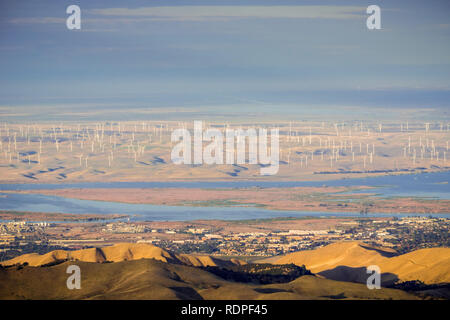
(422,185)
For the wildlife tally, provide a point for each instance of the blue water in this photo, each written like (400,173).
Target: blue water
(429,185)
(140,212)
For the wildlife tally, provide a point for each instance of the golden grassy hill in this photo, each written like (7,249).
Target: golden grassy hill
(347,261)
(153,279)
(117,253)
(430,265)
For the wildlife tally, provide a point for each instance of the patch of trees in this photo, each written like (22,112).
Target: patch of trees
(417,285)
(262,273)
(54,263)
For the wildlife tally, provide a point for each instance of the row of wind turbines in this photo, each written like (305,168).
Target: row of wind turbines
(302,144)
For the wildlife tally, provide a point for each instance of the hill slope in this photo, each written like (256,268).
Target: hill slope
(347,260)
(117,253)
(152,279)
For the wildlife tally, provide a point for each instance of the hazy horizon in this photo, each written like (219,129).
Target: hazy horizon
(269,57)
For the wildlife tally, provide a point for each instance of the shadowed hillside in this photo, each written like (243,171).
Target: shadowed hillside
(152,279)
(345,261)
(143,271)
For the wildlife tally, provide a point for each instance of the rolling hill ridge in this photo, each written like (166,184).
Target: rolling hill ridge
(344,260)
(117,253)
(144,271)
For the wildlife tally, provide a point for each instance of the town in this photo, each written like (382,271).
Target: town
(246,239)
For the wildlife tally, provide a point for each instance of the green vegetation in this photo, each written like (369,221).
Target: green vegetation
(262,273)
(417,285)
(54,263)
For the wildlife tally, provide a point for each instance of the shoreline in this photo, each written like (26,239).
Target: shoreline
(29,216)
(297,199)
